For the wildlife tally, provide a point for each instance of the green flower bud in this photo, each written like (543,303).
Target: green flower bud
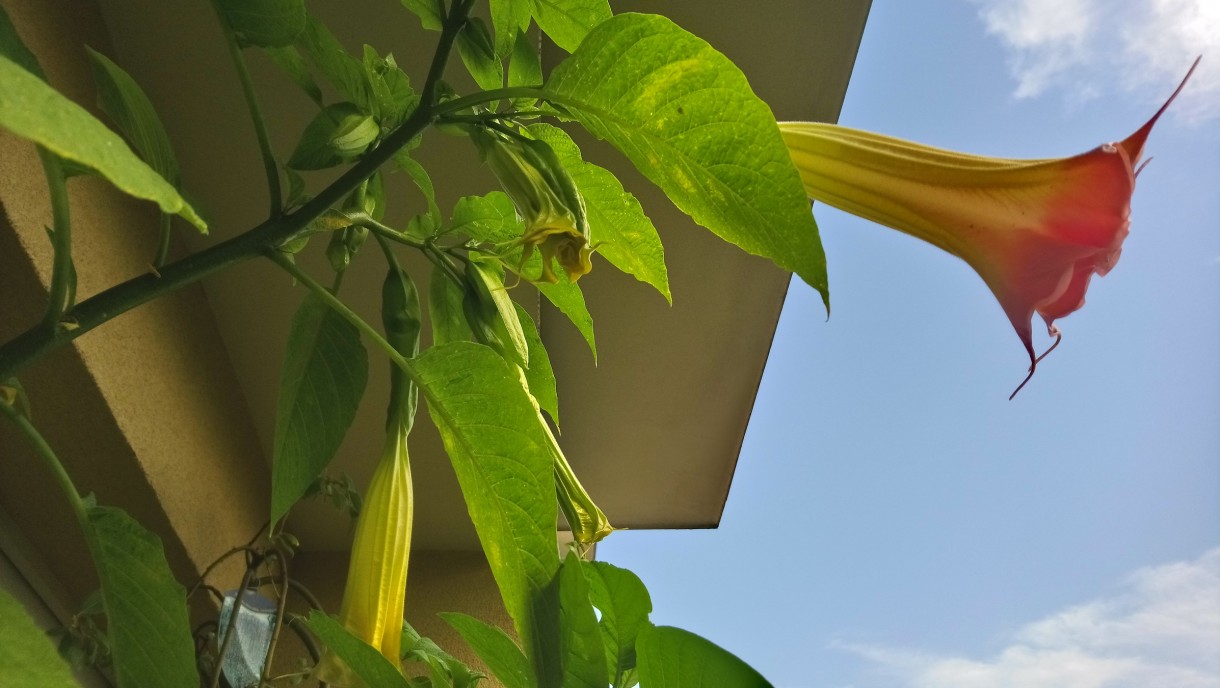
(491,315)
(546,199)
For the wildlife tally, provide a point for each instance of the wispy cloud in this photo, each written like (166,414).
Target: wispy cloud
(1083,48)
(1160,628)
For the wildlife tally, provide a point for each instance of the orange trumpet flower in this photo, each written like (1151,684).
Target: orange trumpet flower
(1036,231)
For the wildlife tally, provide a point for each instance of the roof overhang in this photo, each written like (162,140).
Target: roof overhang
(655,427)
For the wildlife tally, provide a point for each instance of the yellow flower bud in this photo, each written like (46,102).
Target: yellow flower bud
(375,593)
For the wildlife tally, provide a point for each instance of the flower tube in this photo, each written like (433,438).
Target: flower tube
(1036,231)
(374,595)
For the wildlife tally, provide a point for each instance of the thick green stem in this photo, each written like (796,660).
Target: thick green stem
(63,274)
(458,104)
(270,168)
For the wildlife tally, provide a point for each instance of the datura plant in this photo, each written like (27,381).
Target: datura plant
(682,113)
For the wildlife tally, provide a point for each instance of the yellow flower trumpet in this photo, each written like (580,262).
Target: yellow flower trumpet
(374,595)
(1036,231)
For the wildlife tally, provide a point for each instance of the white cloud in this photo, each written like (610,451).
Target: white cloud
(1160,629)
(1083,48)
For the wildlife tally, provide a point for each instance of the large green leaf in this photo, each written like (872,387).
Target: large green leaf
(673,658)
(479,55)
(289,59)
(446,669)
(147,620)
(27,657)
(624,604)
(567,22)
(265,23)
(619,228)
(445,309)
(525,67)
(569,299)
(344,72)
(391,97)
(431,13)
(584,655)
(122,99)
(324,374)
(687,119)
(498,651)
(363,659)
(498,445)
(35,111)
(419,175)
(538,373)
(508,18)
(489,218)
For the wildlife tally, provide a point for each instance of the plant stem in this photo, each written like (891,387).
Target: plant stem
(381,231)
(481,97)
(62,293)
(256,114)
(348,314)
(51,461)
(281,604)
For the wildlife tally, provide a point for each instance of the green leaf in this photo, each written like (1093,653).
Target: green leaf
(509,17)
(624,604)
(499,448)
(339,133)
(324,374)
(27,657)
(617,224)
(364,660)
(539,374)
(33,110)
(12,47)
(445,310)
(570,300)
(289,59)
(674,658)
(431,13)
(567,22)
(445,668)
(491,218)
(479,55)
(392,98)
(686,117)
(584,656)
(122,99)
(343,71)
(525,68)
(149,628)
(493,646)
(419,175)
(265,23)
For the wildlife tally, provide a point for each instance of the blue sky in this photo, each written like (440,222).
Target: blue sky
(895,520)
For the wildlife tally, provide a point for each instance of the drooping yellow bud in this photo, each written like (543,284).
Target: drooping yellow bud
(376,587)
